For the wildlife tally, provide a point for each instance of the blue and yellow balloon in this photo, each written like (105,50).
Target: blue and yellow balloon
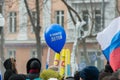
(55,37)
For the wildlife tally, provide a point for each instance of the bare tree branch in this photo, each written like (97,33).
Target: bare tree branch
(38,17)
(72,17)
(30,15)
(69,7)
(117,7)
(36,28)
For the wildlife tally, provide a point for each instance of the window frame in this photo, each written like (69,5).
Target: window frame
(59,17)
(98,58)
(12,22)
(98,24)
(97,27)
(33,51)
(11,53)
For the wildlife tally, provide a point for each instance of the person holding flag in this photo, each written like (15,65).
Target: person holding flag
(109,39)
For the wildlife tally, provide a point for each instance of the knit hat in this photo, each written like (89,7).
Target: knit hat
(33,63)
(89,73)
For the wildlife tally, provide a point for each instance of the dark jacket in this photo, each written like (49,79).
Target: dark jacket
(8,74)
(17,77)
(10,69)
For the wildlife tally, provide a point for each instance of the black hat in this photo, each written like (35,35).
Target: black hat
(33,63)
(89,73)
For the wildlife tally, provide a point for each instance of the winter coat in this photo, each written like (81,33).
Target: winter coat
(17,77)
(9,65)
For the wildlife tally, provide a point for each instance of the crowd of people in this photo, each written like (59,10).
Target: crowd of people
(34,72)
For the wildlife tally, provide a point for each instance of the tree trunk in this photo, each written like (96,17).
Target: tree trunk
(36,28)
(85,51)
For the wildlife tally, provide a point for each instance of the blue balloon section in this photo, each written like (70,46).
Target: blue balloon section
(55,37)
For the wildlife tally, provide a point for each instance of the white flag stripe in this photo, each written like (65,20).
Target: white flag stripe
(104,38)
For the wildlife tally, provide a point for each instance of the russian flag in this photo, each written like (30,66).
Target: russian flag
(109,39)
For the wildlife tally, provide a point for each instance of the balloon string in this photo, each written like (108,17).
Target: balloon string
(48,57)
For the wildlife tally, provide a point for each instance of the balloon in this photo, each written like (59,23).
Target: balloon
(55,37)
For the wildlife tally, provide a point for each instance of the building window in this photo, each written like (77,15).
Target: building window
(12,53)
(86,19)
(0,8)
(12,22)
(34,16)
(97,20)
(33,53)
(95,59)
(59,16)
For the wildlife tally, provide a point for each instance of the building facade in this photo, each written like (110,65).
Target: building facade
(19,36)
(1,36)
(20,39)
(94,12)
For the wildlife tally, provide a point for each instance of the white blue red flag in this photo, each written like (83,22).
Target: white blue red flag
(109,39)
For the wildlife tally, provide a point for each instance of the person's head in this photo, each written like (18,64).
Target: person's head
(103,74)
(77,75)
(33,66)
(17,77)
(69,78)
(10,64)
(112,78)
(55,68)
(49,73)
(89,73)
(106,78)
(108,68)
(117,74)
